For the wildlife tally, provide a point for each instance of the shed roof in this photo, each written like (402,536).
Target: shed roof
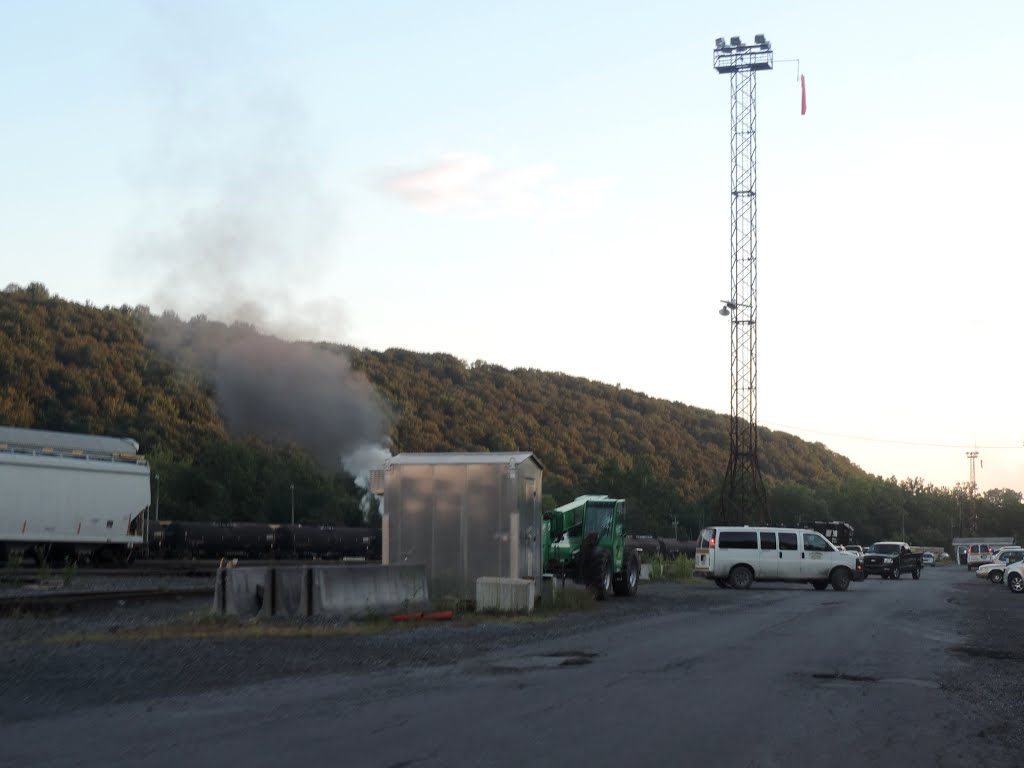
(961,540)
(466,457)
(38,439)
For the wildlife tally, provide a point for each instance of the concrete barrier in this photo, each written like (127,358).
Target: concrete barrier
(290,594)
(494,593)
(361,590)
(332,590)
(241,591)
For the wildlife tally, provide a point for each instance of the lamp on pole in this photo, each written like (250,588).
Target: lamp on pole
(292,488)
(158,498)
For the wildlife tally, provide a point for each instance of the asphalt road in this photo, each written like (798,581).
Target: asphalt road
(773,676)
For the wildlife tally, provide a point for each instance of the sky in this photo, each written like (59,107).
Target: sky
(546,185)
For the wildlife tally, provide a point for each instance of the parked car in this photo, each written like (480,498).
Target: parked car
(857,549)
(994,571)
(928,558)
(1015,577)
(889,559)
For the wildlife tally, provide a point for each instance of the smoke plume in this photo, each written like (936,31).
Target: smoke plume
(281,391)
(239,224)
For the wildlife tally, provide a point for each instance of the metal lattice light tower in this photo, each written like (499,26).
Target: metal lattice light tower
(743,494)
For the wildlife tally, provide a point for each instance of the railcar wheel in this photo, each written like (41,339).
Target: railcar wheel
(741,577)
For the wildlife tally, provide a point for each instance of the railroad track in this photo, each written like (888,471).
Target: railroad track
(165,568)
(68,600)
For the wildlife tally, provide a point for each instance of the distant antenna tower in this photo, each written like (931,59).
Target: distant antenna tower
(972,489)
(743,494)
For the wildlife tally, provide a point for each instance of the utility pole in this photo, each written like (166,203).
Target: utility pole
(743,497)
(972,489)
(292,488)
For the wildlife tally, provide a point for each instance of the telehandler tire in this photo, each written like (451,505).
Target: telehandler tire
(601,574)
(627,584)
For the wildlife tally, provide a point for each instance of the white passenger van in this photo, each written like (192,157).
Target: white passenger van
(737,556)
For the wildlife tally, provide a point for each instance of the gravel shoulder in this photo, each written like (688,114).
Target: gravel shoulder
(990,620)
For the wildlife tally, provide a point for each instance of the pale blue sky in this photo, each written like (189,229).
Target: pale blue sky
(547,185)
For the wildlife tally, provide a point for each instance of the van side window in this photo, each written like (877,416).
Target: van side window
(787,541)
(767,540)
(737,540)
(815,542)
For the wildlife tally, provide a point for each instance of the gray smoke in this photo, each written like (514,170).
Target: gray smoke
(240,226)
(280,391)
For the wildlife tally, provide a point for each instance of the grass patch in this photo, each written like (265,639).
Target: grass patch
(678,569)
(215,627)
(571,598)
(13,568)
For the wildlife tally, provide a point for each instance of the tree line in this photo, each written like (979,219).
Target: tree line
(79,368)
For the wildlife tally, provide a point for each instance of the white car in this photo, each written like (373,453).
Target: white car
(1014,576)
(994,571)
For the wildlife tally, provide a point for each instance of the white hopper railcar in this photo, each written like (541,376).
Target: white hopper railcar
(66,495)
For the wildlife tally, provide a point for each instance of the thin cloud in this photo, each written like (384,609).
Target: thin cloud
(470,183)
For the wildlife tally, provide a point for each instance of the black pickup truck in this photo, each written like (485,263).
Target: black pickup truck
(889,559)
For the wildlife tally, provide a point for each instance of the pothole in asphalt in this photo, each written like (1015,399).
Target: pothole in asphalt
(844,676)
(544,661)
(988,653)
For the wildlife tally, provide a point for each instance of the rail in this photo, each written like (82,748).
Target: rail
(54,601)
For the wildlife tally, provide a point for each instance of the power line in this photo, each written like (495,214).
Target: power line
(957,446)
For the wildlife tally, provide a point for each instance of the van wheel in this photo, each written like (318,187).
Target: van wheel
(840,579)
(741,577)
(819,585)
(723,583)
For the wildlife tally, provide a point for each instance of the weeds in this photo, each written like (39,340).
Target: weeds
(14,562)
(676,569)
(69,572)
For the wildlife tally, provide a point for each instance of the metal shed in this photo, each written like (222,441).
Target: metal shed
(463,516)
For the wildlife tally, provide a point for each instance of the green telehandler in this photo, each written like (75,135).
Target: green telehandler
(584,540)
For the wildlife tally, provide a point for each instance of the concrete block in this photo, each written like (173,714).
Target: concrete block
(241,591)
(549,588)
(291,594)
(494,593)
(358,590)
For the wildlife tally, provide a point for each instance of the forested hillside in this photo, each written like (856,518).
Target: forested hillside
(238,424)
